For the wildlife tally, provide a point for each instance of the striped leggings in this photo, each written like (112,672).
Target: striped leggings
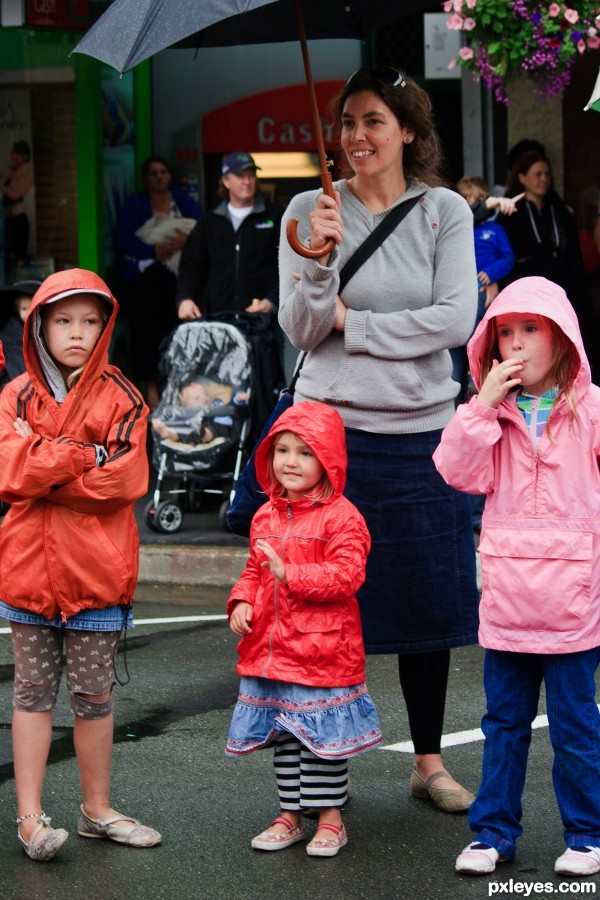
(305,781)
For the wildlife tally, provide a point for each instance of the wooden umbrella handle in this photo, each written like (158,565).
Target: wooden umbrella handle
(326,182)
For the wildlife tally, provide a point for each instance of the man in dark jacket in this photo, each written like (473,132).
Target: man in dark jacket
(230,265)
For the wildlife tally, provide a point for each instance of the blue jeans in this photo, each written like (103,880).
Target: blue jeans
(512,686)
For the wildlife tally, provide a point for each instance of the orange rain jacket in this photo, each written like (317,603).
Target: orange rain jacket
(69,540)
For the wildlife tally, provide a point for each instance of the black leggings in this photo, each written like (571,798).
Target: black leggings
(424,680)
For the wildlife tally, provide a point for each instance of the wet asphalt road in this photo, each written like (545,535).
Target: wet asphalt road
(170,771)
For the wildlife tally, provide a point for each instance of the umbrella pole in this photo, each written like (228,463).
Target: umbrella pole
(326,182)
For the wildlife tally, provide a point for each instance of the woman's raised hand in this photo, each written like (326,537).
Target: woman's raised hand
(326,221)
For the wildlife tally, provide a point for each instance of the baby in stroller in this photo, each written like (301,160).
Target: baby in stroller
(195,418)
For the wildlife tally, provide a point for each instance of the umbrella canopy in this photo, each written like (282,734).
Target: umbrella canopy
(133,30)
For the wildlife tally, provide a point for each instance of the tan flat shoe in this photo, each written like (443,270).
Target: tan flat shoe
(45,842)
(447,799)
(133,835)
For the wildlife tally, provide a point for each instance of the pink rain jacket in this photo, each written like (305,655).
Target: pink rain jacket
(540,539)
(307,631)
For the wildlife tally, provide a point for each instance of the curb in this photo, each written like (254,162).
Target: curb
(190,565)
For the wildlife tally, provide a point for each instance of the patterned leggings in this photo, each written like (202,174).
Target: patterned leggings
(90,668)
(305,781)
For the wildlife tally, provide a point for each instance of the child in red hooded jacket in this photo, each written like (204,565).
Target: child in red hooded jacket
(301,656)
(72,462)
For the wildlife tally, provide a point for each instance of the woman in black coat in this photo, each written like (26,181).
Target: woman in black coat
(542,232)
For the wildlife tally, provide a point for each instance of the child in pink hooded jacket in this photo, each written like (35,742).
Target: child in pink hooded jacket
(530,441)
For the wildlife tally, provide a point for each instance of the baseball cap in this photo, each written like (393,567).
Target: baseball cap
(20,289)
(236,163)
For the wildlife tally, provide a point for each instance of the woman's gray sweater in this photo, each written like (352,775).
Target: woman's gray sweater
(415,297)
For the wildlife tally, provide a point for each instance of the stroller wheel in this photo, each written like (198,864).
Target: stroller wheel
(223,510)
(150,516)
(168,517)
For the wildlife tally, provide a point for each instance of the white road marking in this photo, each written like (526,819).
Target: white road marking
(164,621)
(460,737)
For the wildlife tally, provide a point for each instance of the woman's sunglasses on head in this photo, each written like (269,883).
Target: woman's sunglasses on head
(386,74)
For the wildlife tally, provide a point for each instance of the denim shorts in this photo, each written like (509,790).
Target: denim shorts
(113,618)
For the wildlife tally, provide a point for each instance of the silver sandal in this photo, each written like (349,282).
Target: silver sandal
(133,835)
(50,842)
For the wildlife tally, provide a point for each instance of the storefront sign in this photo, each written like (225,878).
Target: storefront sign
(274,121)
(80,14)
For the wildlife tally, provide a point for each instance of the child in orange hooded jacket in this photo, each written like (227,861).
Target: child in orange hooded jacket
(72,463)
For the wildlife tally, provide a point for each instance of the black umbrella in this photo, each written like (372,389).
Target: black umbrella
(133,30)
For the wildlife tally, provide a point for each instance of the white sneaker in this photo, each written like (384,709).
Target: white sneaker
(478,859)
(578,861)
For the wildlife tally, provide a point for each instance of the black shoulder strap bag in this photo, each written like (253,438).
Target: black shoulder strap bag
(247,496)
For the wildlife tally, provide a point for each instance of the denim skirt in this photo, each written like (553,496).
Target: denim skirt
(420,592)
(333,723)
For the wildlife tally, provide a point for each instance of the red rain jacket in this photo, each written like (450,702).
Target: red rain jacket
(69,541)
(307,631)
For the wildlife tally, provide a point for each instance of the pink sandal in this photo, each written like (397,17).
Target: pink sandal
(328,846)
(273,840)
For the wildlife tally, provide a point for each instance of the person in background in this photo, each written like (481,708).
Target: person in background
(542,232)
(301,654)
(15,300)
(494,259)
(72,464)
(148,282)
(379,355)
(230,266)
(16,182)
(530,440)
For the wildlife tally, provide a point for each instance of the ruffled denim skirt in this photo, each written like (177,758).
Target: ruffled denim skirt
(333,723)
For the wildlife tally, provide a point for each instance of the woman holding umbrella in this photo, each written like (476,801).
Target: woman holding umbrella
(379,355)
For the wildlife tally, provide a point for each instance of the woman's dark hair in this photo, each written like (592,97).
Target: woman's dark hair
(521,167)
(155,159)
(22,148)
(412,107)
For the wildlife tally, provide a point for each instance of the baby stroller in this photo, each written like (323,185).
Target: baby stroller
(200,427)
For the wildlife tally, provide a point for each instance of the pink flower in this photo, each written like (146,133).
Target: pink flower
(593,42)
(448,5)
(469,24)
(466,53)
(471,4)
(458,5)
(581,46)
(454,22)
(554,10)
(571,15)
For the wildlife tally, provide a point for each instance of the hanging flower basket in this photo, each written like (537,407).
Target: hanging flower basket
(523,38)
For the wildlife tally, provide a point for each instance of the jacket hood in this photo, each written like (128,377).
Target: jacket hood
(534,296)
(57,287)
(321,427)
